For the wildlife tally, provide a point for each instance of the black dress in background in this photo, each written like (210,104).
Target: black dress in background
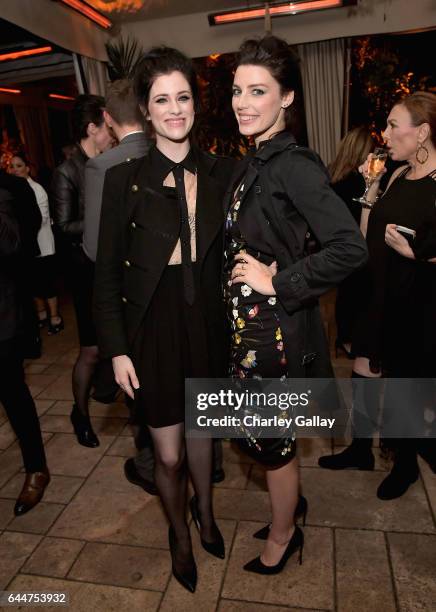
(349,292)
(397,328)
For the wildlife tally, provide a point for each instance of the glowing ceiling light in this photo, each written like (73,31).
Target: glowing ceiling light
(276,10)
(13,55)
(7,90)
(89,12)
(60,97)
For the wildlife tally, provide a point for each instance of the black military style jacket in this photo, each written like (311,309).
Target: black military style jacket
(140,226)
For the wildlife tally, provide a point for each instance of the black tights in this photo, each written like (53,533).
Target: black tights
(171,450)
(83,373)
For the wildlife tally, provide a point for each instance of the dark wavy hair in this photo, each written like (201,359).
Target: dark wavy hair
(87,109)
(278,58)
(163,60)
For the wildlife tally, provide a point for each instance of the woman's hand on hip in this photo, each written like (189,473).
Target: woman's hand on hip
(397,242)
(125,375)
(251,272)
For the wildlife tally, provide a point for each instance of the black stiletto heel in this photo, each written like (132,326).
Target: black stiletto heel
(188,579)
(294,544)
(300,510)
(216,548)
(83,429)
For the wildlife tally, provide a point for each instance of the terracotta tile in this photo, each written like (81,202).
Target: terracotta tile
(60,490)
(123,447)
(232,454)
(230,605)
(129,566)
(14,550)
(210,577)
(128,430)
(362,572)
(84,597)
(37,520)
(42,406)
(241,504)
(65,456)
(309,585)
(109,509)
(348,499)
(35,368)
(6,512)
(40,380)
(61,424)
(310,449)
(59,389)
(429,480)
(7,436)
(414,562)
(236,476)
(53,557)
(96,409)
(59,369)
(11,463)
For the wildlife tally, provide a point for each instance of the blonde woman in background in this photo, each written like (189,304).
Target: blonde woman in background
(348,183)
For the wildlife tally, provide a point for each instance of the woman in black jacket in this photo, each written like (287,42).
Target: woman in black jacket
(158,306)
(67,202)
(273,282)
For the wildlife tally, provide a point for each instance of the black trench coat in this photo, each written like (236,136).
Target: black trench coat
(140,226)
(295,205)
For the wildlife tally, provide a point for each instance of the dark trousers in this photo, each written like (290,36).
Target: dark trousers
(20,407)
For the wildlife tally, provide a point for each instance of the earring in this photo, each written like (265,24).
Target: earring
(421,151)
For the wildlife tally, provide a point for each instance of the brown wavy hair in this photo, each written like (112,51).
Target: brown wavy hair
(353,149)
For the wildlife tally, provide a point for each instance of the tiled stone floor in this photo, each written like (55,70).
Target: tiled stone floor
(104,541)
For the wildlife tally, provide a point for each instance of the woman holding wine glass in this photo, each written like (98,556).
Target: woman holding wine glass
(396,332)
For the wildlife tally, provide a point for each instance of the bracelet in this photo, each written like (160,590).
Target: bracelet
(368,206)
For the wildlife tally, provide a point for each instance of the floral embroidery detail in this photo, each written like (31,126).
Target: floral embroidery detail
(235,314)
(249,360)
(246,291)
(272,301)
(279,334)
(240,323)
(283,360)
(280,345)
(237,338)
(253,311)
(235,301)
(237,205)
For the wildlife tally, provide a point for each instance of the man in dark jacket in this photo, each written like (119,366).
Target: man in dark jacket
(19,227)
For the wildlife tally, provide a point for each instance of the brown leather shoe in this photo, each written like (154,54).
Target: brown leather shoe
(32,491)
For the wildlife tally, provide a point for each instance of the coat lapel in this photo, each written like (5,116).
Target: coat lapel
(209,208)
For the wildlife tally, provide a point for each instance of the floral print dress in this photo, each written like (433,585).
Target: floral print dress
(257,349)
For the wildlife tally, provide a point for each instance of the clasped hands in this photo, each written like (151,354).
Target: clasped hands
(250,271)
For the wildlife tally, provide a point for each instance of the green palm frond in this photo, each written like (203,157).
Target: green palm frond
(123,55)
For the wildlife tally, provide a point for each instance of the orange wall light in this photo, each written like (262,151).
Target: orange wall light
(89,12)
(13,55)
(276,10)
(60,97)
(7,90)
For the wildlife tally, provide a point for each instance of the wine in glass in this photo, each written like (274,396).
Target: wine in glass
(375,166)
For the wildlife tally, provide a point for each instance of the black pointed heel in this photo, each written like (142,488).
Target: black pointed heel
(187,578)
(216,548)
(294,544)
(82,428)
(300,510)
